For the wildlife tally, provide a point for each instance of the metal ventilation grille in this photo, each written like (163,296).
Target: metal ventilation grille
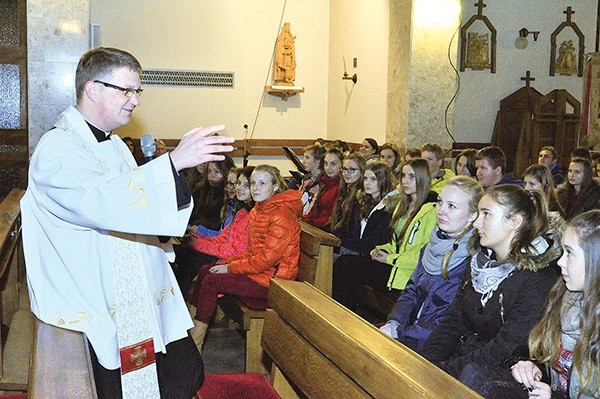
(172,78)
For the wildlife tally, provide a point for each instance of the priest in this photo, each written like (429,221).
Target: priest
(91,221)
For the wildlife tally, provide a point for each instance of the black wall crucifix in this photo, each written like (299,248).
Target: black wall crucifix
(480,5)
(528,79)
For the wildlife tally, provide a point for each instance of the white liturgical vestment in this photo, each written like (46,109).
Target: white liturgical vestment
(81,195)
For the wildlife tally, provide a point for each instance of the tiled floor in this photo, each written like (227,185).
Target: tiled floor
(224,349)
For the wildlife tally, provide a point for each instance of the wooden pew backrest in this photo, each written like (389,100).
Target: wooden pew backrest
(12,267)
(60,366)
(325,349)
(315,266)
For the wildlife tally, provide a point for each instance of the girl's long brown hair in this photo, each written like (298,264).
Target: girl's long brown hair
(545,338)
(542,174)
(386,182)
(346,200)
(423,184)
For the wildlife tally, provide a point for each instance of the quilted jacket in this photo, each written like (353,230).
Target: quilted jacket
(232,240)
(273,240)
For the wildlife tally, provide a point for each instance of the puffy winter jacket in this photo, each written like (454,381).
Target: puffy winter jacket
(232,241)
(273,240)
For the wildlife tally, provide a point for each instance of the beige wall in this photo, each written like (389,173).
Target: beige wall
(358,29)
(225,35)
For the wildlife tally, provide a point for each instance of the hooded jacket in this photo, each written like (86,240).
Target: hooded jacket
(404,255)
(438,182)
(273,240)
(585,201)
(489,334)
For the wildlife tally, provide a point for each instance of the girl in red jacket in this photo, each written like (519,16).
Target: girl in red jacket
(329,184)
(273,249)
(231,241)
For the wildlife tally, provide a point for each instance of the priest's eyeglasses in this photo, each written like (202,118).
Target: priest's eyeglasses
(128,92)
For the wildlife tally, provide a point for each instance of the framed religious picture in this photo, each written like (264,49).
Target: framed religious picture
(478,42)
(567,46)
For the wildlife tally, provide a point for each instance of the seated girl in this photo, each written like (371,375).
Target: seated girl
(441,266)
(311,183)
(580,192)
(539,177)
(369,149)
(321,211)
(389,154)
(232,240)
(227,210)
(377,200)
(391,264)
(566,341)
(273,250)
(346,213)
(504,293)
(209,197)
(465,163)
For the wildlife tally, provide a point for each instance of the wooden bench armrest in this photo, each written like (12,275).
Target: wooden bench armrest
(380,365)
(321,236)
(59,366)
(10,227)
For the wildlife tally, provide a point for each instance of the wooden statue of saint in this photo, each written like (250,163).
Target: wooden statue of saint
(284,70)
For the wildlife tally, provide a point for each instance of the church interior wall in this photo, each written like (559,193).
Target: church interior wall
(358,29)
(481,91)
(238,36)
(230,36)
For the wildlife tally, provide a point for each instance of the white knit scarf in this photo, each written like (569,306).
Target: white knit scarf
(487,274)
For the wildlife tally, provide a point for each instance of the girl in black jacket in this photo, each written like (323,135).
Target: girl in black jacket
(505,292)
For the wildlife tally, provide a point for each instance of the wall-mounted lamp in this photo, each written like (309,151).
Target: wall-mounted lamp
(353,78)
(521,41)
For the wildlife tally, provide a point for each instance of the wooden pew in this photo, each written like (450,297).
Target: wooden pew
(320,349)
(377,302)
(13,374)
(315,267)
(60,365)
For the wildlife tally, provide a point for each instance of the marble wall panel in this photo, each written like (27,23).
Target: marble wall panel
(432,84)
(58,33)
(398,71)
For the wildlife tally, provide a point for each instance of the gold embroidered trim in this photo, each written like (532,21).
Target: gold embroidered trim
(166,291)
(138,198)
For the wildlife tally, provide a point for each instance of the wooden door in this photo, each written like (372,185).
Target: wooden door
(557,120)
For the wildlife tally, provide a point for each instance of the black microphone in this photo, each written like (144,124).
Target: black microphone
(246,145)
(148,146)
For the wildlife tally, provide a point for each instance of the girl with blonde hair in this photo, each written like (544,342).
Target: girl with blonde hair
(440,268)
(511,273)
